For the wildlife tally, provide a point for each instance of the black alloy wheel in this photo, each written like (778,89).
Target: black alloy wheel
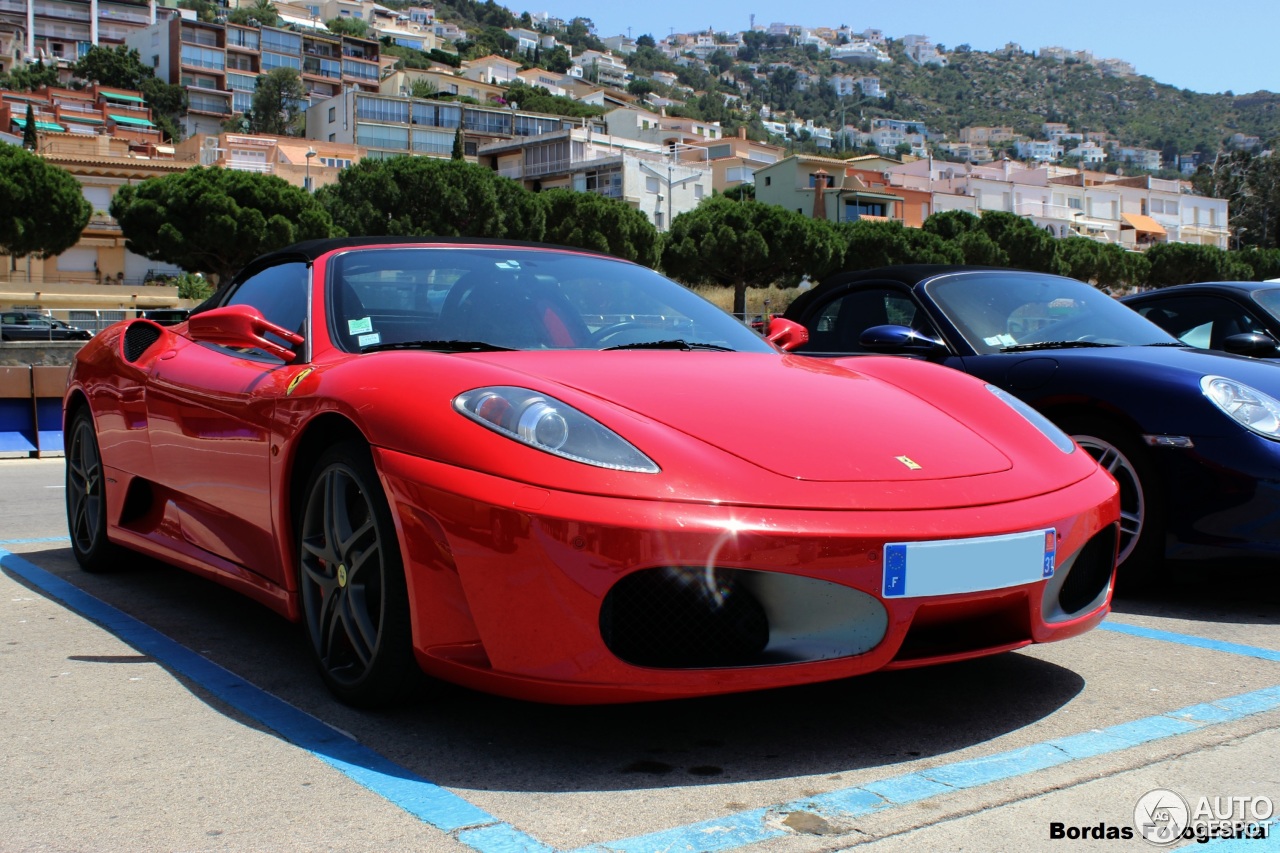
(354,600)
(1141,503)
(86,498)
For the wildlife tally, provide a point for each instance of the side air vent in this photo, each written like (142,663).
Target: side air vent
(138,337)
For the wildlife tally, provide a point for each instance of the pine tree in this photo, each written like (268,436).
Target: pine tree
(29,139)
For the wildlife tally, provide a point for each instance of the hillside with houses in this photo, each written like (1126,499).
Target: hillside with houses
(836,123)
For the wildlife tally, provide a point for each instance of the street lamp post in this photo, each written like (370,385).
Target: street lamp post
(311,152)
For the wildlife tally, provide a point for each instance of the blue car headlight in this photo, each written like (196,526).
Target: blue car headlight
(552,426)
(1247,406)
(1060,439)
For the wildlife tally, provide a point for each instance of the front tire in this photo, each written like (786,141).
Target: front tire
(86,498)
(1142,514)
(355,603)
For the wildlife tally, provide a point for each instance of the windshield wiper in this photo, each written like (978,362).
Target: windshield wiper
(1055,345)
(439,346)
(671,344)
(1170,344)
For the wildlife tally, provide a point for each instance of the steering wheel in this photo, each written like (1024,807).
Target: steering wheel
(604,333)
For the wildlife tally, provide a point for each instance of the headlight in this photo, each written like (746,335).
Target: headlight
(1249,407)
(1059,438)
(549,425)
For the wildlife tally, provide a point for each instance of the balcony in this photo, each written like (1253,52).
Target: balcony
(1044,210)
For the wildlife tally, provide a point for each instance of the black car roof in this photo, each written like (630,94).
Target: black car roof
(906,274)
(1193,287)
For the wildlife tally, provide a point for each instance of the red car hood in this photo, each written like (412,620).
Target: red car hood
(801,418)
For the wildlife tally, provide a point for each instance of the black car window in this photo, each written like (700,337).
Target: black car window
(279,293)
(1200,321)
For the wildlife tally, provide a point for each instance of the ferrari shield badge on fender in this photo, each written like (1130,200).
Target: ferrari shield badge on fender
(297,380)
(905,460)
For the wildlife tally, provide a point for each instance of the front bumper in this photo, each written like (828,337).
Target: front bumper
(1224,498)
(507,583)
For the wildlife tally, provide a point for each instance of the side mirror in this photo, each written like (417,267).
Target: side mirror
(786,334)
(900,340)
(1252,344)
(241,326)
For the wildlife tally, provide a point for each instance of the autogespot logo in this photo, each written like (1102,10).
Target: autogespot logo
(1161,816)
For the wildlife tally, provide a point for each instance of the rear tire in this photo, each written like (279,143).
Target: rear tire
(355,603)
(86,498)
(1142,509)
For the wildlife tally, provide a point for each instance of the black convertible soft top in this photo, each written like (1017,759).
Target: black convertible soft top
(308,250)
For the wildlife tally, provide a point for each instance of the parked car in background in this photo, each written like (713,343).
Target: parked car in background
(1240,317)
(559,476)
(1192,437)
(32,326)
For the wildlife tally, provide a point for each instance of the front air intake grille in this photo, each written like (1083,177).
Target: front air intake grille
(1090,572)
(138,337)
(677,617)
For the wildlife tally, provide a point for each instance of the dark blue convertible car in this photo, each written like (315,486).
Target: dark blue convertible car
(1192,437)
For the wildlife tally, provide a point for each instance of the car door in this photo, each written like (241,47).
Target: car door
(212,426)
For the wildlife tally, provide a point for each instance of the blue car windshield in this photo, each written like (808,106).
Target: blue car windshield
(999,311)
(516,298)
(1269,299)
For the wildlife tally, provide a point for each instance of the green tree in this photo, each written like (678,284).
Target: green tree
(261,14)
(119,67)
(168,103)
(1103,264)
(591,221)
(205,10)
(29,138)
(869,244)
(524,215)
(29,77)
(422,196)
(1182,263)
(44,209)
(279,103)
(950,224)
(747,244)
(1265,263)
(459,148)
(216,220)
(1027,246)
(192,286)
(348,27)
(423,89)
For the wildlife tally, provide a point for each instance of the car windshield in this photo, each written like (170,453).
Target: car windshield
(1000,311)
(472,299)
(1269,299)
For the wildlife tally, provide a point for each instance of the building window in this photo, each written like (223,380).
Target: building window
(333,113)
(768,180)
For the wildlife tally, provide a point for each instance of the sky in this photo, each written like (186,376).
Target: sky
(1190,44)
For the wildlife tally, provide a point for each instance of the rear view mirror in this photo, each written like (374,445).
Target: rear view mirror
(786,334)
(241,326)
(900,340)
(1253,344)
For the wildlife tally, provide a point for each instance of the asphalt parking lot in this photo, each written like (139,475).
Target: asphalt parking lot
(149,710)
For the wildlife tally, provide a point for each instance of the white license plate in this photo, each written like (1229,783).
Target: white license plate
(949,566)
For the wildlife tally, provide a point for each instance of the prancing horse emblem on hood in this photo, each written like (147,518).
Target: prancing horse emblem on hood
(909,462)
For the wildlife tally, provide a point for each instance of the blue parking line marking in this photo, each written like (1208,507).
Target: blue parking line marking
(1191,640)
(484,833)
(4,542)
(426,801)
(727,833)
